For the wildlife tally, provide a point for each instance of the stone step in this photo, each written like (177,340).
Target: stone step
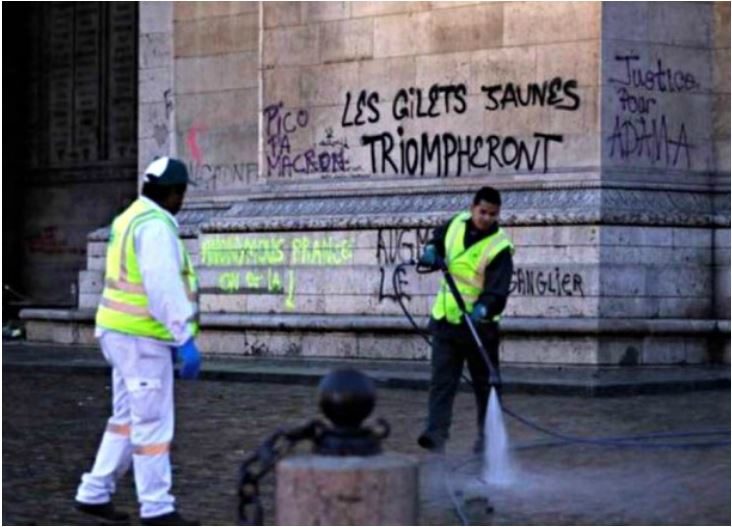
(398,374)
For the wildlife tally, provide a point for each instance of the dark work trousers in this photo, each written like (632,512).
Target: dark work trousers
(452,346)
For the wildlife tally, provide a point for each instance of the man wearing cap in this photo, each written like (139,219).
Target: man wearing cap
(148,308)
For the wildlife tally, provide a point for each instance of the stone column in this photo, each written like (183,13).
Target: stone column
(327,490)
(662,203)
(156,122)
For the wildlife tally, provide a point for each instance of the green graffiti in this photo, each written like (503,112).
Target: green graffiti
(321,251)
(269,282)
(250,251)
(253,280)
(226,251)
(274,281)
(229,282)
(232,251)
(290,298)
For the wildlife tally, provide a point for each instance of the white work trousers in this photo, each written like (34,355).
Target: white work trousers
(140,429)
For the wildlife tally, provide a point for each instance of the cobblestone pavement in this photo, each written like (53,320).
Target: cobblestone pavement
(52,423)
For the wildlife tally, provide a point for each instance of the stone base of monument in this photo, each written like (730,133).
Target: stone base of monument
(526,341)
(327,490)
(602,277)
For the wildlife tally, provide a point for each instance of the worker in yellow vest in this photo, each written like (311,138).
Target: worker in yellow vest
(147,316)
(478,254)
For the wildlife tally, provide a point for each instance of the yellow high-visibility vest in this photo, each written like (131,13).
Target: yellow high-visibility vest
(467,267)
(124,303)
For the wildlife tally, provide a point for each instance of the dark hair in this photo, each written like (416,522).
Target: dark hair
(159,193)
(489,195)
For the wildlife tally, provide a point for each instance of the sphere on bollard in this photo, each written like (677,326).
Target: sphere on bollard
(346,397)
(349,480)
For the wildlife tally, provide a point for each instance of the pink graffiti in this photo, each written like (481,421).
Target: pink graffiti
(192,142)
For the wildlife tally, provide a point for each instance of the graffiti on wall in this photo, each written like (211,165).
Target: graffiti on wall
(440,153)
(212,176)
(284,157)
(270,262)
(208,175)
(546,282)
(445,153)
(192,142)
(641,127)
(293,146)
(393,247)
(51,240)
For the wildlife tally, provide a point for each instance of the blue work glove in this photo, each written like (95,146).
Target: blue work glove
(478,314)
(429,256)
(188,352)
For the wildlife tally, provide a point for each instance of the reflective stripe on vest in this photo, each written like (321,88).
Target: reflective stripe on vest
(124,306)
(467,267)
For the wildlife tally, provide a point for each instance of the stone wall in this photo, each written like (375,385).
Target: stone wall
(156,100)
(666,127)
(327,69)
(216,49)
(721,134)
(328,139)
(658,85)
(720,44)
(394,92)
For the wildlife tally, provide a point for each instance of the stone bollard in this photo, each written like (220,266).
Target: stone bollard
(352,490)
(348,481)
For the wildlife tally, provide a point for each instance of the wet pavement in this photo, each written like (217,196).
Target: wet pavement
(52,421)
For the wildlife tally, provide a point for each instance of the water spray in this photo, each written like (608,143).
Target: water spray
(635,441)
(497,467)
(645,441)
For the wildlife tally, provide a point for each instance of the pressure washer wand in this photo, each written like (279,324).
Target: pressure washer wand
(494,377)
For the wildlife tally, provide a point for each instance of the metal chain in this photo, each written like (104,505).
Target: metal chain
(262,460)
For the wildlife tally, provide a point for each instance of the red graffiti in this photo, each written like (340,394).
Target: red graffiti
(51,241)
(192,142)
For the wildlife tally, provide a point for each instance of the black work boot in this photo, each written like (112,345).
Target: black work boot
(171,518)
(428,442)
(103,510)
